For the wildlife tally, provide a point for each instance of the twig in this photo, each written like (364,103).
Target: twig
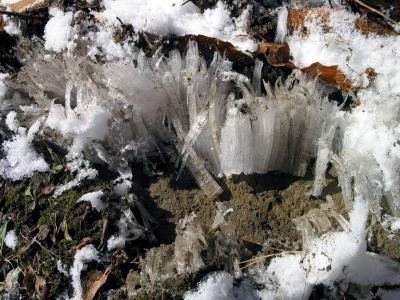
(376,11)
(21,15)
(258,259)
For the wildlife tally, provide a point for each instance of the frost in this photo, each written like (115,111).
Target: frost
(58,30)
(190,241)
(94,198)
(11,27)
(115,242)
(21,160)
(3,87)
(180,17)
(81,258)
(11,240)
(221,286)
(81,169)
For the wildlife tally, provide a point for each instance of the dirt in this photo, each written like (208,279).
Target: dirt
(263,205)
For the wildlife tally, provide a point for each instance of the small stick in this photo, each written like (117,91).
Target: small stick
(375,11)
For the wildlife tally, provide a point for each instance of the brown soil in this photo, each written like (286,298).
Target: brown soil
(263,206)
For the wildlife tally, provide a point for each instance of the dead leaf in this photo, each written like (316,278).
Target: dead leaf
(43,233)
(329,74)
(207,47)
(93,282)
(47,190)
(2,24)
(278,55)
(28,281)
(40,287)
(64,228)
(82,243)
(368,26)
(297,18)
(119,257)
(28,5)
(371,73)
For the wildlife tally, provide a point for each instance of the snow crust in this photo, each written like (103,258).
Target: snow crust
(180,17)
(11,240)
(58,30)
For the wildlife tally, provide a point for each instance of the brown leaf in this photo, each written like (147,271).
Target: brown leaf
(297,17)
(278,55)
(2,24)
(93,282)
(368,26)
(47,190)
(43,233)
(28,281)
(40,287)
(371,73)
(329,74)
(207,47)
(82,243)
(28,5)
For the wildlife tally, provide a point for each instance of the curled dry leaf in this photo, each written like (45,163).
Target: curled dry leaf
(93,282)
(28,5)
(28,281)
(43,233)
(297,18)
(368,27)
(278,55)
(40,287)
(47,190)
(371,73)
(329,74)
(82,243)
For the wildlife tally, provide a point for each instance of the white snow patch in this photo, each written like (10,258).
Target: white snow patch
(21,160)
(94,198)
(220,286)
(344,45)
(180,18)
(12,27)
(11,240)
(84,124)
(82,256)
(58,30)
(81,169)
(9,2)
(115,242)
